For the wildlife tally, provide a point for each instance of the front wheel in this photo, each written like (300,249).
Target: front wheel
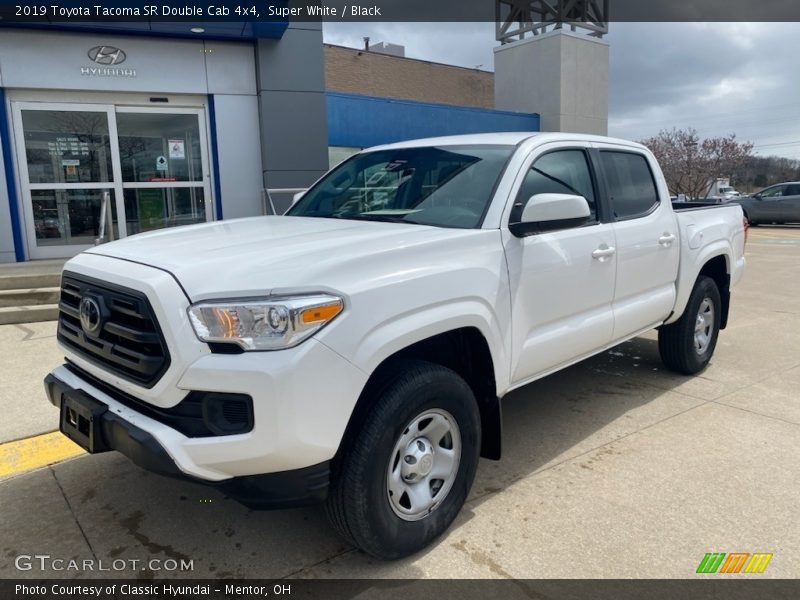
(403,478)
(686,346)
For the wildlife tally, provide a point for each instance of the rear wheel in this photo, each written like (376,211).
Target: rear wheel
(686,346)
(403,478)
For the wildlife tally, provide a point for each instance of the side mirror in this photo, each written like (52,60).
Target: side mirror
(757,196)
(549,212)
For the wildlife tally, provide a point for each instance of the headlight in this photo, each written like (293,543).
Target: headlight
(264,324)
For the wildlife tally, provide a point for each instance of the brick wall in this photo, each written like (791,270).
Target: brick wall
(371,74)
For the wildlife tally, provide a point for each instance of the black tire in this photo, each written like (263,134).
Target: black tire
(750,222)
(676,342)
(358,504)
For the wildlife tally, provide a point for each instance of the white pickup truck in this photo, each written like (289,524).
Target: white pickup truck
(355,350)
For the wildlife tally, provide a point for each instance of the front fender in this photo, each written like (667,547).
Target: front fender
(389,337)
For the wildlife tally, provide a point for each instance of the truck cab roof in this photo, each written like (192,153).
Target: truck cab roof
(511,138)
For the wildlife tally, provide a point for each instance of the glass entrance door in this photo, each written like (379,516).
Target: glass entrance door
(164,170)
(150,163)
(67,166)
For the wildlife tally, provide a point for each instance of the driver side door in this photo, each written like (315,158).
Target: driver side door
(562,282)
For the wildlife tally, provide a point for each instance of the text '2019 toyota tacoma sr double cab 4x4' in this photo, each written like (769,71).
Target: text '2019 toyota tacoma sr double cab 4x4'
(354,351)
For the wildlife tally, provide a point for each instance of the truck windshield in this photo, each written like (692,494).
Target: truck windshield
(444,186)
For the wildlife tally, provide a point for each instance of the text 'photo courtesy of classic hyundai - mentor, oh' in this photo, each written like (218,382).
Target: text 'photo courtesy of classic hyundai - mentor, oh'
(354,351)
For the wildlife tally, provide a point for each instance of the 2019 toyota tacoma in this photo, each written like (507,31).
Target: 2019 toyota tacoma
(355,350)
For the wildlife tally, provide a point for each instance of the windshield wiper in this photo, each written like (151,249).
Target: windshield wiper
(557,180)
(362,217)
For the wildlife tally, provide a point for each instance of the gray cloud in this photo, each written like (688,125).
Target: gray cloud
(719,78)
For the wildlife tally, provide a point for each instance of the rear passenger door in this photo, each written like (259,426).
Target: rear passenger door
(648,247)
(790,204)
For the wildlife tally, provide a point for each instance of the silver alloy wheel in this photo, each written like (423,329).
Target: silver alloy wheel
(704,326)
(423,465)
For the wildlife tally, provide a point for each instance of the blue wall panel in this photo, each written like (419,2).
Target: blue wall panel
(213,30)
(362,121)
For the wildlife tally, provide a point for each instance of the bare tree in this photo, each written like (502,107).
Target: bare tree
(691,165)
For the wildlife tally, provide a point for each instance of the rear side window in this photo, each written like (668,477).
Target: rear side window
(632,191)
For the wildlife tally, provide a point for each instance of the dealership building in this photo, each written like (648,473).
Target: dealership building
(119,128)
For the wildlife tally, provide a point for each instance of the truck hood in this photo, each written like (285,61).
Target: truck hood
(275,254)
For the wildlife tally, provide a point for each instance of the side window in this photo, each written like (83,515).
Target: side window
(792,190)
(631,188)
(773,192)
(559,172)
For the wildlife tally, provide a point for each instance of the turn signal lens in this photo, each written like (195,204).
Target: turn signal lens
(321,313)
(269,324)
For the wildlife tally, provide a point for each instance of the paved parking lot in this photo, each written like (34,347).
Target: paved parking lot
(612,468)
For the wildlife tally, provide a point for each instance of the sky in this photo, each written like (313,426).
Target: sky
(719,78)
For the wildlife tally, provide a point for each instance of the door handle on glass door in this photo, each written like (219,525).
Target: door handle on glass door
(666,239)
(604,252)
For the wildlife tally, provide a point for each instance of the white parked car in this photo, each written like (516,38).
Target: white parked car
(355,351)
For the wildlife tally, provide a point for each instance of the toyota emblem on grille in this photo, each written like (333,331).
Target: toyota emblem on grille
(107,55)
(91,318)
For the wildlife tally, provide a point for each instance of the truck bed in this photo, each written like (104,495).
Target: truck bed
(705,234)
(696,205)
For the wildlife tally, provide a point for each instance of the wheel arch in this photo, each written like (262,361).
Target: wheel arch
(718,269)
(464,350)
(716,265)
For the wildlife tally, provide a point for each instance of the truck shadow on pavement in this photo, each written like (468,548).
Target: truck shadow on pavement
(106,508)
(578,410)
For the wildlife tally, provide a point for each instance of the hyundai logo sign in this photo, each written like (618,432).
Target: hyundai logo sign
(107,55)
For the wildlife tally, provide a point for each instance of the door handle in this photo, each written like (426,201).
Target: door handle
(604,252)
(666,239)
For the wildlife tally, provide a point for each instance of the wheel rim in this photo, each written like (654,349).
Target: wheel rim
(423,465)
(704,326)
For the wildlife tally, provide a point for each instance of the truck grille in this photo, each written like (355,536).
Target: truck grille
(126,341)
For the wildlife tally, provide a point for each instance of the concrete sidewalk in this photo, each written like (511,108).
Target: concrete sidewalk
(612,468)
(29,353)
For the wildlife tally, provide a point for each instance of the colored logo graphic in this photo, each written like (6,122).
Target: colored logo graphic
(734,562)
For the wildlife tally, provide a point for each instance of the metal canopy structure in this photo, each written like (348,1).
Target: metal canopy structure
(516,18)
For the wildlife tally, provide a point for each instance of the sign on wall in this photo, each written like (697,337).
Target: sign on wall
(107,57)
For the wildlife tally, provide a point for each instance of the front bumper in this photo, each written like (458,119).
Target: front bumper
(297,487)
(302,401)
(302,397)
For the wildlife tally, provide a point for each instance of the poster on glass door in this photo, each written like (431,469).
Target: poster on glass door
(177,149)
